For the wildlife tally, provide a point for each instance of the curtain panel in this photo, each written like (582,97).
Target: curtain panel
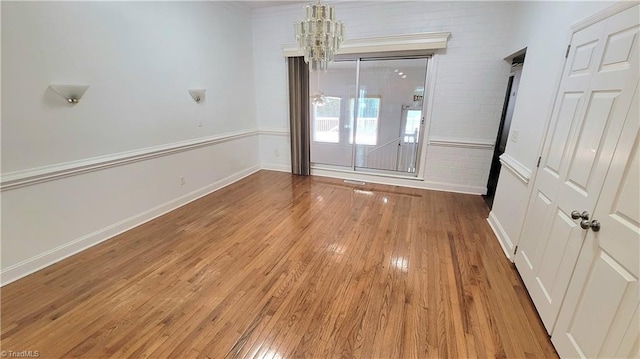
(299,121)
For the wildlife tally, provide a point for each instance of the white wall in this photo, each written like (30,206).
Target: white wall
(139,59)
(84,172)
(470,84)
(544,29)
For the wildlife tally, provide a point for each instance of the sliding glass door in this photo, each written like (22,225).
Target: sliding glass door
(376,129)
(331,93)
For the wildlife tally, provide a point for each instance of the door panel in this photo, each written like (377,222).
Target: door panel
(593,102)
(540,209)
(619,46)
(582,59)
(568,110)
(590,139)
(599,317)
(551,239)
(593,316)
(550,276)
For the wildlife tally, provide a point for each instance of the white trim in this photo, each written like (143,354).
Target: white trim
(404,182)
(273,132)
(603,14)
(275,167)
(457,142)
(430,80)
(371,172)
(406,42)
(505,242)
(32,176)
(33,264)
(517,168)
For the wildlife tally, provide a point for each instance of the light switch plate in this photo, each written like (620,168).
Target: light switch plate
(514,136)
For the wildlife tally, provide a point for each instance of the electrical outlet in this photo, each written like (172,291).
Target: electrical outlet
(514,136)
(182,181)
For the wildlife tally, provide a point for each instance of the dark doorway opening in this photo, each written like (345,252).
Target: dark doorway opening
(505,125)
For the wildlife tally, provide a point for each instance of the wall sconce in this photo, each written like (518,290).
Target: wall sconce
(71,93)
(197,94)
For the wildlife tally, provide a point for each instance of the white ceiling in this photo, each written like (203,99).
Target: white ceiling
(391,64)
(266,3)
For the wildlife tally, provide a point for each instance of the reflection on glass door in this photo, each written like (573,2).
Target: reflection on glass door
(377,128)
(410,138)
(326,120)
(366,132)
(397,85)
(332,93)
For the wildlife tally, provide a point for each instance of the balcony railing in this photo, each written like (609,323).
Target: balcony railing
(327,129)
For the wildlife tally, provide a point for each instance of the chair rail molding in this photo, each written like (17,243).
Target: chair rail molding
(518,169)
(274,132)
(406,42)
(33,176)
(461,142)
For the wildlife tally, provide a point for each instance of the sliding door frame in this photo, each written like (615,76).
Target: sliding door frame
(428,81)
(427,108)
(425,43)
(356,102)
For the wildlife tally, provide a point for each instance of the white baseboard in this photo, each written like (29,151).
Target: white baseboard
(275,167)
(457,188)
(33,264)
(501,234)
(403,182)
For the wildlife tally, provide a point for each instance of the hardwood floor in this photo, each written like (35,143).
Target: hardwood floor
(279,266)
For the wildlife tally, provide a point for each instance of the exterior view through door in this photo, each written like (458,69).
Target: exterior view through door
(377,129)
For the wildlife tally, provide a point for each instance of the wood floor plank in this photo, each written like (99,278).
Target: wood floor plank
(282,266)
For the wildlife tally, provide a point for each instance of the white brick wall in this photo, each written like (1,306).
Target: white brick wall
(471,75)
(464,166)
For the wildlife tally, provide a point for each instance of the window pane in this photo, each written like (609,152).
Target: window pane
(369,107)
(326,120)
(412,127)
(367,128)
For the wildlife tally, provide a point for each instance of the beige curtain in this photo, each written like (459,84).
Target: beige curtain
(299,122)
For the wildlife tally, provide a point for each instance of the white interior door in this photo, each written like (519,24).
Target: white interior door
(593,99)
(600,315)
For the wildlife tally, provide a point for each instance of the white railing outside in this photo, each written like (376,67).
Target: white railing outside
(327,129)
(396,155)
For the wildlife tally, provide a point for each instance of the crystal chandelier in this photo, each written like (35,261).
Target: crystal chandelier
(319,35)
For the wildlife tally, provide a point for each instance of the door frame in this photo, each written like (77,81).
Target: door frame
(494,169)
(427,106)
